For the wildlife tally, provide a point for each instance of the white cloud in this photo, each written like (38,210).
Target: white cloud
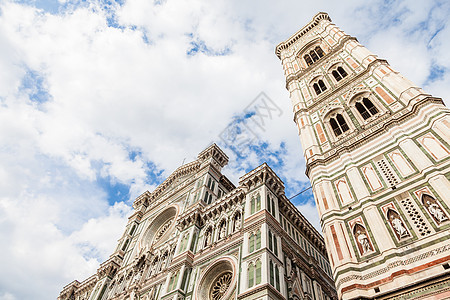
(114,90)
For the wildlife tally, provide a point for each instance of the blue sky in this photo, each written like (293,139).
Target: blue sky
(101,101)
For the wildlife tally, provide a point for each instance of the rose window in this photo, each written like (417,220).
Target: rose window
(161,231)
(221,286)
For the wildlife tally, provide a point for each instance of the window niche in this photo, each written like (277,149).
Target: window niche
(313,54)
(319,87)
(365,107)
(338,122)
(338,72)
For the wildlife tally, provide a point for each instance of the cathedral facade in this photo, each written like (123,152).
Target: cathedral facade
(377,150)
(198,236)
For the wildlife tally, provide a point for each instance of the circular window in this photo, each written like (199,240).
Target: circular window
(218,281)
(220,286)
(161,227)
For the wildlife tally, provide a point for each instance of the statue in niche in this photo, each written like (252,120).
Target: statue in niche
(434,209)
(362,239)
(397,224)
(208,237)
(223,230)
(237,222)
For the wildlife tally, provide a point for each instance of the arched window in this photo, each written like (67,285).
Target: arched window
(184,242)
(271,275)
(254,241)
(277,278)
(338,125)
(125,245)
(258,202)
(339,73)
(313,55)
(258,272)
(366,108)
(319,87)
(251,275)
(194,238)
(275,245)
(258,240)
(270,241)
(252,205)
(173,282)
(269,208)
(132,229)
(251,243)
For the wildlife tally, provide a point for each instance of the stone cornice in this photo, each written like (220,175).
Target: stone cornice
(199,214)
(343,87)
(184,170)
(298,256)
(109,267)
(308,27)
(301,73)
(364,136)
(264,175)
(215,152)
(292,213)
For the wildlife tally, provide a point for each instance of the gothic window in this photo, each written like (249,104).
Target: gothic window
(258,202)
(273,207)
(434,209)
(366,108)
(173,282)
(254,242)
(132,229)
(194,237)
(319,87)
(124,247)
(254,273)
(184,242)
(273,245)
(251,275)
(271,274)
(338,125)
(269,207)
(274,275)
(270,241)
(255,204)
(313,55)
(277,278)
(339,73)
(258,240)
(258,272)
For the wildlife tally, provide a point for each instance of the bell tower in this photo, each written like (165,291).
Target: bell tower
(377,151)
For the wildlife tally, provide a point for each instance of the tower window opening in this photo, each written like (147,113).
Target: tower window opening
(339,73)
(366,108)
(338,125)
(319,87)
(313,55)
